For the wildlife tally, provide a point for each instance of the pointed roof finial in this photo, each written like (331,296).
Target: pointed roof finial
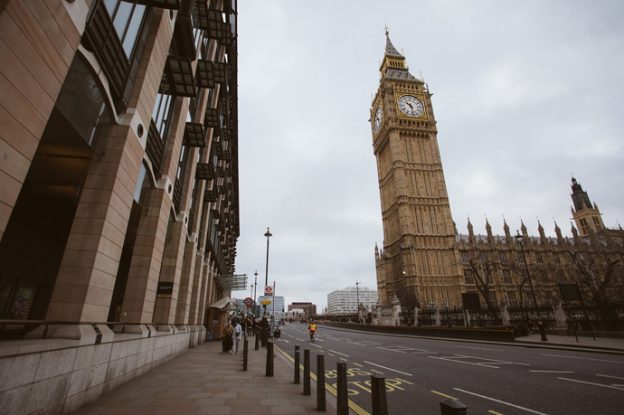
(387,30)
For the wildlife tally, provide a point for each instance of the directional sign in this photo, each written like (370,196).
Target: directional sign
(266,301)
(268,290)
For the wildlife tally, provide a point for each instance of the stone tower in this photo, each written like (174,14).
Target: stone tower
(418,263)
(586,215)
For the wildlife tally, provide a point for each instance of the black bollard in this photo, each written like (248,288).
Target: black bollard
(269,359)
(342,398)
(320,382)
(297,369)
(245,353)
(453,407)
(379,396)
(306,372)
(257,340)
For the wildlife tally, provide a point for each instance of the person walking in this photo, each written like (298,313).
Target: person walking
(226,338)
(238,334)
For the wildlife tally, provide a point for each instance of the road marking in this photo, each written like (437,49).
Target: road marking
(405,381)
(320,340)
(444,395)
(493,412)
(449,359)
(301,340)
(583,358)
(338,353)
(377,371)
(479,348)
(357,364)
(316,345)
(609,376)
(501,402)
(591,383)
(284,340)
(387,368)
(551,371)
(343,359)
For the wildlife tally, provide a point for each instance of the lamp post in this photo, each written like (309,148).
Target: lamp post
(268,235)
(357,301)
(540,324)
(254,295)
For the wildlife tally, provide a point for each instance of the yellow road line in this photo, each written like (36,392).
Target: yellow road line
(443,395)
(493,412)
(354,407)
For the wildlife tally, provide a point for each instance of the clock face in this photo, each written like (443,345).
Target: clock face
(378,119)
(411,106)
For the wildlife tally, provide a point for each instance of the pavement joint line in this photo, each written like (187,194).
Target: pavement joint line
(591,383)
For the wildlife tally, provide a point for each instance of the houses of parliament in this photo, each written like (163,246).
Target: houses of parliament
(426,263)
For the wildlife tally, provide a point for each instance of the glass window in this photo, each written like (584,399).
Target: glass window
(127,18)
(162,114)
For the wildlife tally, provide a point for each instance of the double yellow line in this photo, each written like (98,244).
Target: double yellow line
(352,405)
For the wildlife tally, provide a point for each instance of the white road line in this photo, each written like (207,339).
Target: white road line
(343,359)
(479,348)
(338,353)
(377,371)
(357,364)
(319,340)
(387,368)
(501,402)
(591,383)
(609,376)
(451,359)
(551,371)
(301,340)
(316,345)
(583,358)
(284,340)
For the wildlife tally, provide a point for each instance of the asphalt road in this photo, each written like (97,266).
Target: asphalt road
(487,378)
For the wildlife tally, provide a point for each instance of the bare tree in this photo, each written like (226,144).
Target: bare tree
(483,268)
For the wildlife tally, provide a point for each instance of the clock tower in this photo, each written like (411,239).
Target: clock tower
(419,262)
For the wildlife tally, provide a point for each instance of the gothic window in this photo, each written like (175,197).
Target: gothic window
(469,277)
(465,256)
(506,277)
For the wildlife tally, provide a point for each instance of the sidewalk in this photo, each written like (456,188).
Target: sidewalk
(205,380)
(601,344)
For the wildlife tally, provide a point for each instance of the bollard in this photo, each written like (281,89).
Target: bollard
(453,407)
(269,359)
(379,396)
(320,382)
(342,399)
(256,346)
(306,372)
(245,353)
(297,369)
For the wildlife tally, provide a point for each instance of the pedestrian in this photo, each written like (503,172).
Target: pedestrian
(238,334)
(226,338)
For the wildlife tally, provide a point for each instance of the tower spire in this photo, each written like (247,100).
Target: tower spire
(393,65)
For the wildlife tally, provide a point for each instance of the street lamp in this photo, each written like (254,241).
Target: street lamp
(540,324)
(357,296)
(254,295)
(268,234)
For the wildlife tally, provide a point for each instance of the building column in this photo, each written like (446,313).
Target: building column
(183,306)
(86,277)
(198,281)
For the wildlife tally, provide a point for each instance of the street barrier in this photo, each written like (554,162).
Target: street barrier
(379,395)
(453,407)
(342,399)
(306,372)
(269,359)
(320,382)
(297,369)
(245,353)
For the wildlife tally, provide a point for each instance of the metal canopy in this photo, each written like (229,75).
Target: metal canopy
(178,78)
(210,73)
(194,135)
(204,171)
(233,282)
(211,118)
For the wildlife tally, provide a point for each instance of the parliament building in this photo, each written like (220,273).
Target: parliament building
(426,263)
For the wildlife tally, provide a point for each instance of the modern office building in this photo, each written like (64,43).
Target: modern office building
(119,210)
(345,301)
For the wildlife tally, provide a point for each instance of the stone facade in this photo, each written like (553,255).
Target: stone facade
(119,204)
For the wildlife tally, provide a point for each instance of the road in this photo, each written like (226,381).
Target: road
(488,378)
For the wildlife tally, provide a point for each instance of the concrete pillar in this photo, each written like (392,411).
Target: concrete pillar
(87,273)
(170,271)
(183,306)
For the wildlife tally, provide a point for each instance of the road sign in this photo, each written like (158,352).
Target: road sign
(268,290)
(248,302)
(266,301)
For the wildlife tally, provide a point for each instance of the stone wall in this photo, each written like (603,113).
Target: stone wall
(58,375)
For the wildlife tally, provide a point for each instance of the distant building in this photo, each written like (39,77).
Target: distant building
(277,308)
(345,301)
(306,308)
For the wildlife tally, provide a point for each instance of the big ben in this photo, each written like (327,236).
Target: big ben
(419,263)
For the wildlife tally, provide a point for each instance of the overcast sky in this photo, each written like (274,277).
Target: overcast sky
(525,94)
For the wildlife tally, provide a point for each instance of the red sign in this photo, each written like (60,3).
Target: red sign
(248,302)
(268,290)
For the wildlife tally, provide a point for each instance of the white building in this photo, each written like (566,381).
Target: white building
(345,301)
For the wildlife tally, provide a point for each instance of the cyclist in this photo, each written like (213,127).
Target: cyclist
(312,330)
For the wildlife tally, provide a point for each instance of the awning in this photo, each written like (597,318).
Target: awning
(221,304)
